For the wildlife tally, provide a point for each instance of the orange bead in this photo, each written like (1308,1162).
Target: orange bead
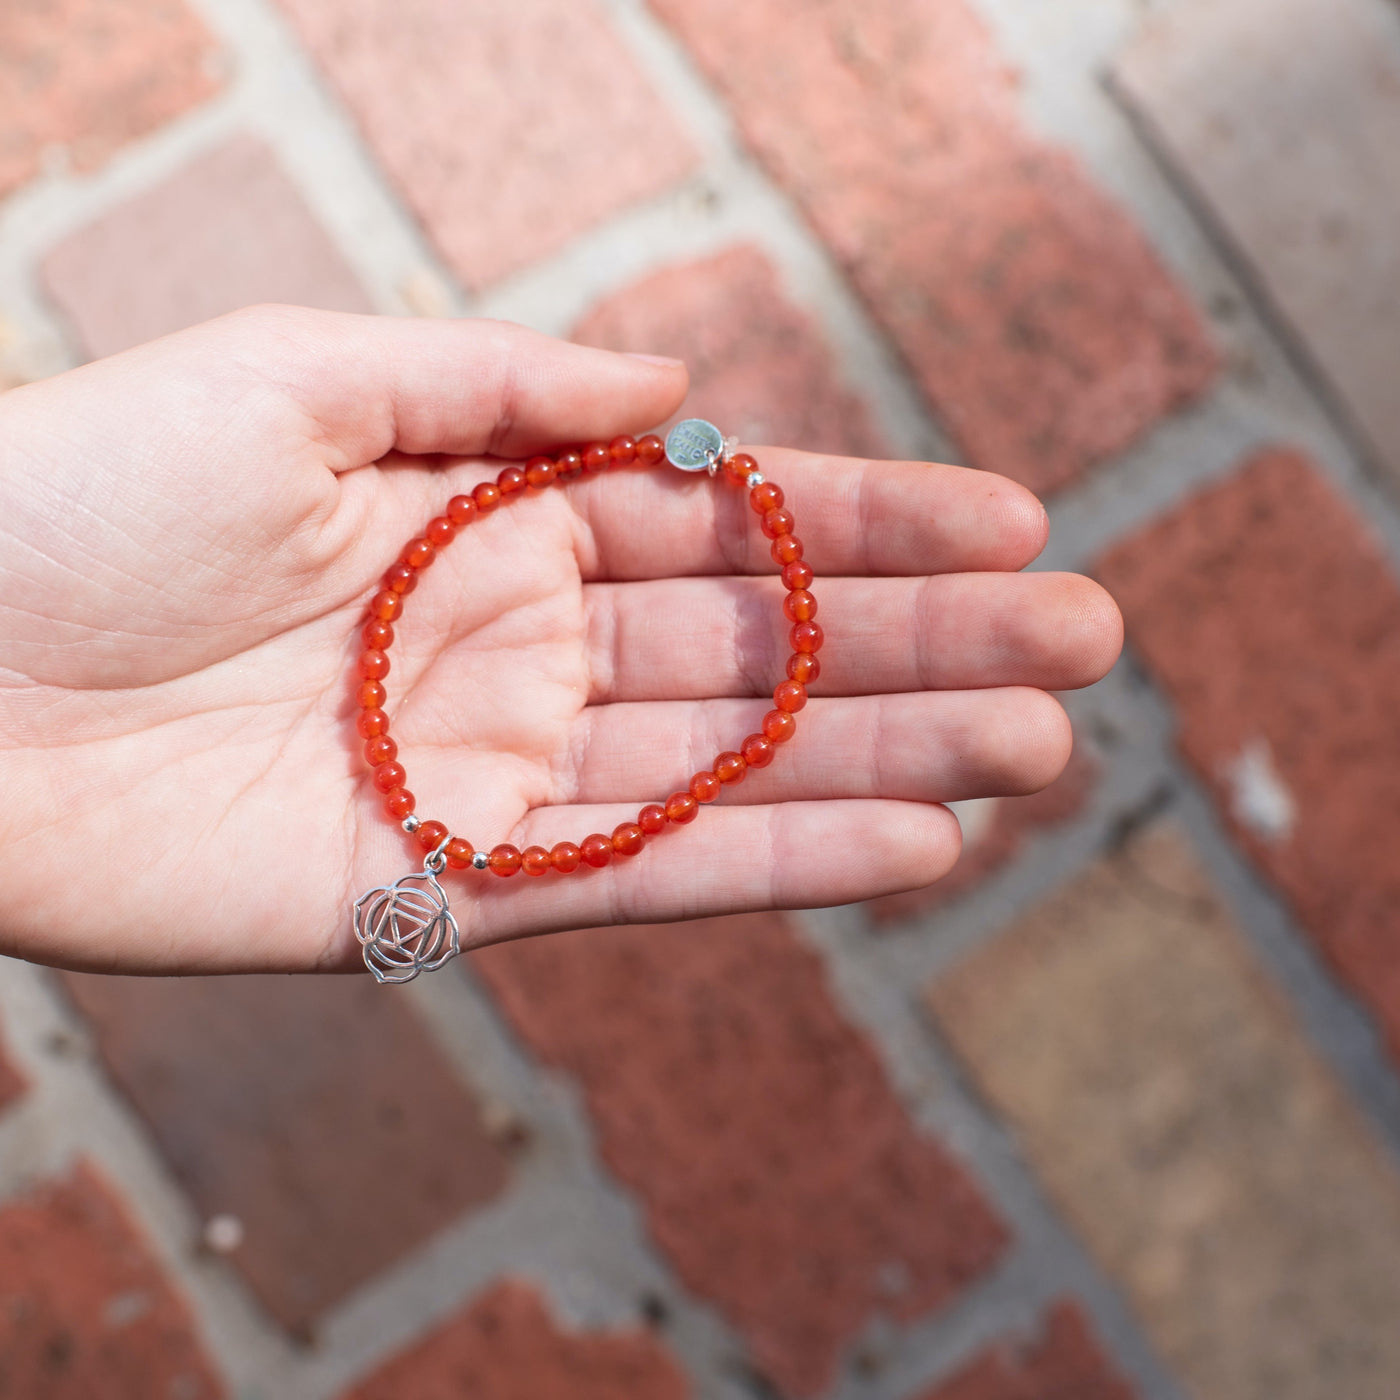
(371,695)
(372,723)
(377,636)
(650,450)
(730,767)
(374,665)
(786,549)
(766,496)
(505,860)
(681,808)
(400,578)
(738,467)
(389,776)
(399,804)
(385,606)
(779,726)
(461,510)
(623,451)
(776,522)
(510,481)
(539,472)
(798,574)
(487,496)
(799,606)
(431,835)
(380,749)
(806,636)
(758,751)
(790,696)
(564,856)
(803,667)
(459,853)
(628,839)
(704,787)
(418,554)
(569,467)
(652,818)
(534,860)
(596,457)
(440,530)
(596,849)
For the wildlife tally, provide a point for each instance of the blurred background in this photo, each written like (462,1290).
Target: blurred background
(1112,1112)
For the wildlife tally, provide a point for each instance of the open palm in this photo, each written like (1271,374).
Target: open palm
(188,535)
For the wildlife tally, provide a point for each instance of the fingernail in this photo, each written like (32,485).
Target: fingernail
(657,359)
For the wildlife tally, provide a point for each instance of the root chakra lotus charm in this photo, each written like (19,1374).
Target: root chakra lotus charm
(406,928)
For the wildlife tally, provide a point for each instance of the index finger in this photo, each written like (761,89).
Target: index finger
(853,517)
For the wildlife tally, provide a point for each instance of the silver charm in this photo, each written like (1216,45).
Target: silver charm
(695,445)
(406,928)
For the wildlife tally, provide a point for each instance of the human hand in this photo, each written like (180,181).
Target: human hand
(188,535)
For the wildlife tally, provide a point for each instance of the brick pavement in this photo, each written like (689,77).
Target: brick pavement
(1115,1111)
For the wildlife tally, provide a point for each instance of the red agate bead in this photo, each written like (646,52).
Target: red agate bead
(650,450)
(652,818)
(564,856)
(504,860)
(596,850)
(381,749)
(803,667)
(704,787)
(790,696)
(539,472)
(596,457)
(758,750)
(389,776)
(400,578)
(534,860)
(628,839)
(729,768)
(623,451)
(461,510)
(799,606)
(431,835)
(510,481)
(372,723)
(441,531)
(681,808)
(377,636)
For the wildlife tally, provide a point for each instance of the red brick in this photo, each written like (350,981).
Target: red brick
(314,1110)
(994,840)
(757,363)
(226,231)
(91,75)
(1266,608)
(1177,1115)
(12,1083)
(777,1168)
(507,1347)
(509,126)
(84,1310)
(1041,325)
(1064,1363)
(1283,116)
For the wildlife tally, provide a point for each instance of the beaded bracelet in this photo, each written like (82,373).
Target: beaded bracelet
(407,927)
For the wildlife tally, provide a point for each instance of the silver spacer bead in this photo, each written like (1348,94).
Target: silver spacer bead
(480,861)
(411,823)
(755,478)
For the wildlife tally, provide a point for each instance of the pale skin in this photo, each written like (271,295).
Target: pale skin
(189,533)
